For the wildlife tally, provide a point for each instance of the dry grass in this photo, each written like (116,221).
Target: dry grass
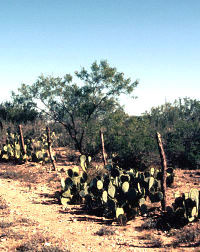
(149,223)
(39,243)
(19,175)
(152,240)
(10,234)
(26,221)
(3,204)
(146,236)
(30,174)
(105,231)
(188,236)
(5,224)
(156,242)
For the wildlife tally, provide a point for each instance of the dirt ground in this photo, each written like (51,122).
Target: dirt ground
(32,220)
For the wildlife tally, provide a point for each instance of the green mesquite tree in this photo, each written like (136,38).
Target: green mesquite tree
(78,106)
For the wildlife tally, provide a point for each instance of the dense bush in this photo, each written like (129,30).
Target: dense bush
(129,140)
(132,141)
(179,124)
(11,112)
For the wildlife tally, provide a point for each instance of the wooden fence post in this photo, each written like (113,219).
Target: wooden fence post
(22,140)
(164,168)
(103,148)
(49,148)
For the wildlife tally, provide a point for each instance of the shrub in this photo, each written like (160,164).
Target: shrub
(105,231)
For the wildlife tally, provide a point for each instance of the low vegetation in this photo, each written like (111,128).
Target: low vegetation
(105,231)
(130,183)
(39,243)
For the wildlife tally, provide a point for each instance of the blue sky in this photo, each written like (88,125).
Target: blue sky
(155,41)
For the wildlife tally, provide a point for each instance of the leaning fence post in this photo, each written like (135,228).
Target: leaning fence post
(22,140)
(103,148)
(164,169)
(49,148)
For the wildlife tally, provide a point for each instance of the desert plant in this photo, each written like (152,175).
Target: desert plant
(186,236)
(105,231)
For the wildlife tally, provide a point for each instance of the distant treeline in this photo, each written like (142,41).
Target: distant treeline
(77,112)
(129,140)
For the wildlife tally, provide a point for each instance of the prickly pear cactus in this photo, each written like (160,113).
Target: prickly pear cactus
(36,149)
(74,187)
(12,150)
(186,206)
(84,162)
(119,195)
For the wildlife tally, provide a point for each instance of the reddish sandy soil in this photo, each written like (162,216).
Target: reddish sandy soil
(32,220)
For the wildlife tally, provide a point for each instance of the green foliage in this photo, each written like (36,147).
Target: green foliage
(179,125)
(82,109)
(17,113)
(79,108)
(184,144)
(130,140)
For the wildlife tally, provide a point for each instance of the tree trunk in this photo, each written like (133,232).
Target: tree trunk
(49,148)
(103,148)
(164,168)
(77,144)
